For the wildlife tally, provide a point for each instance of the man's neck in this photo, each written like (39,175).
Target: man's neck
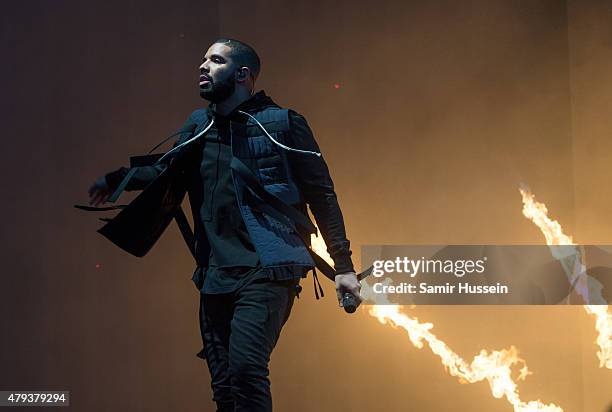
(228,105)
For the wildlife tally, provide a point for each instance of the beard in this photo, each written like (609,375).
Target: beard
(218,91)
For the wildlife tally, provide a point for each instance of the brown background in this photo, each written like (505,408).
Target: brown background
(444,107)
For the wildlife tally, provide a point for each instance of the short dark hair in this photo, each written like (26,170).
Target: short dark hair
(243,54)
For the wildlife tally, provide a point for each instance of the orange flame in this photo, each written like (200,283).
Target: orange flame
(318,245)
(538,214)
(495,367)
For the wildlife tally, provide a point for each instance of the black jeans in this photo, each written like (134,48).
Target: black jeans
(239,331)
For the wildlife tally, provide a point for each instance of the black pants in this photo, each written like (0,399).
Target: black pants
(239,331)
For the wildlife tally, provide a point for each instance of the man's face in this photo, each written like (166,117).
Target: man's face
(217,80)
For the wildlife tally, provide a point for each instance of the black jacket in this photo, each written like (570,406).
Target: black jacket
(166,184)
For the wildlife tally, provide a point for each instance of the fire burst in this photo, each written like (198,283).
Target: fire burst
(538,214)
(494,367)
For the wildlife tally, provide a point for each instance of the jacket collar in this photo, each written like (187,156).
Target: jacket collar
(255,103)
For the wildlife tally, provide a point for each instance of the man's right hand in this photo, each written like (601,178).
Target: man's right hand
(99,192)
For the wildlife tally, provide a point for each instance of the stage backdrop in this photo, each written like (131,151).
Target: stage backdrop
(429,114)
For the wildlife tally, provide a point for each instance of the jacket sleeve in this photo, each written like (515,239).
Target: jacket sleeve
(143,175)
(313,179)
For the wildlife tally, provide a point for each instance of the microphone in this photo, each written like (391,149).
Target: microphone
(349,303)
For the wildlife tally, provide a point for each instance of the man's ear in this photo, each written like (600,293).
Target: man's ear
(243,73)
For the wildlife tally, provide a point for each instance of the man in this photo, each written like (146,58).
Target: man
(250,257)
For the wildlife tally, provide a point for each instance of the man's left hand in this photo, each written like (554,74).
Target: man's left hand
(347,282)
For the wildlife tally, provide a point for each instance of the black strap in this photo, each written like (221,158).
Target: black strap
(315,283)
(323,266)
(330,272)
(122,185)
(99,209)
(259,205)
(289,211)
(135,161)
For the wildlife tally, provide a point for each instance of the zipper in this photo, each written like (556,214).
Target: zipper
(238,200)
